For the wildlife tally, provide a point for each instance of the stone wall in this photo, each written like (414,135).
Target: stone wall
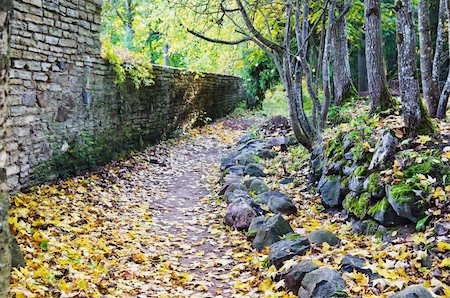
(63,98)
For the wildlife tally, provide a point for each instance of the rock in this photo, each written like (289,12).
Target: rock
(321,236)
(385,214)
(287,249)
(236,170)
(384,152)
(239,215)
(403,207)
(270,231)
(280,141)
(17,260)
(227,162)
(257,186)
(245,159)
(413,292)
(232,187)
(356,184)
(441,228)
(255,226)
(263,198)
(229,180)
(349,156)
(354,263)
(294,276)
(251,146)
(330,190)
(238,194)
(280,203)
(266,153)
(348,170)
(321,283)
(254,170)
(317,166)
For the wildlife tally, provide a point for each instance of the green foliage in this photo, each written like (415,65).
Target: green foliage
(360,171)
(127,64)
(381,205)
(374,180)
(275,102)
(402,193)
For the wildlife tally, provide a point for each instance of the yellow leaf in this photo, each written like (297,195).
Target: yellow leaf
(267,286)
(240,285)
(445,263)
(422,139)
(446,155)
(443,246)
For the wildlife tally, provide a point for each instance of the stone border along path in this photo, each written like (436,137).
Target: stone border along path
(261,213)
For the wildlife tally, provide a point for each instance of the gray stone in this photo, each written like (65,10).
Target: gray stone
(245,138)
(321,283)
(239,215)
(257,186)
(417,291)
(232,187)
(245,159)
(321,236)
(330,190)
(384,152)
(356,184)
(254,170)
(270,231)
(266,153)
(388,217)
(62,114)
(227,162)
(441,228)
(29,98)
(294,276)
(354,263)
(287,249)
(238,194)
(87,98)
(236,170)
(403,208)
(280,203)
(263,198)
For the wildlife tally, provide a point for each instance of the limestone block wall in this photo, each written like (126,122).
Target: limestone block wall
(63,93)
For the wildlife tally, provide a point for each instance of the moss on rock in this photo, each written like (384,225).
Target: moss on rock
(357,205)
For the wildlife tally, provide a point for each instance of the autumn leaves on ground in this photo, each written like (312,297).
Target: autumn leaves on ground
(151,225)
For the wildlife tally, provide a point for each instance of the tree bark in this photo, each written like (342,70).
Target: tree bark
(443,100)
(362,67)
(5,253)
(414,114)
(342,80)
(429,86)
(378,91)
(440,31)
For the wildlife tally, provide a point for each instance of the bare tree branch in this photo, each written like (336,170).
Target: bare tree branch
(220,41)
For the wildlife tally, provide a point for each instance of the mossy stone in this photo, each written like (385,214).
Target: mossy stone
(357,205)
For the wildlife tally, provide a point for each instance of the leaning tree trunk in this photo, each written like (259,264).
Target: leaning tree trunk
(429,86)
(378,90)
(342,80)
(414,114)
(443,100)
(5,254)
(440,36)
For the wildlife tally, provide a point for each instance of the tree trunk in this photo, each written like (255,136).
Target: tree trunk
(440,31)
(414,114)
(5,253)
(443,100)
(129,32)
(429,86)
(166,54)
(378,90)
(342,80)
(362,67)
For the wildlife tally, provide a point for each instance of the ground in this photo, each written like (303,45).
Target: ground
(148,225)
(151,225)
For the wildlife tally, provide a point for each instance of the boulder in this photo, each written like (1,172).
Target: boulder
(403,206)
(229,180)
(238,194)
(413,292)
(245,138)
(383,213)
(441,228)
(269,231)
(280,141)
(280,203)
(232,187)
(330,190)
(263,198)
(257,186)
(237,170)
(321,283)
(255,226)
(317,166)
(294,276)
(321,236)
(227,162)
(239,215)
(245,158)
(384,152)
(287,249)
(356,184)
(254,170)
(266,153)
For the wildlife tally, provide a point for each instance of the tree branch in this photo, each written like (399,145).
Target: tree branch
(220,41)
